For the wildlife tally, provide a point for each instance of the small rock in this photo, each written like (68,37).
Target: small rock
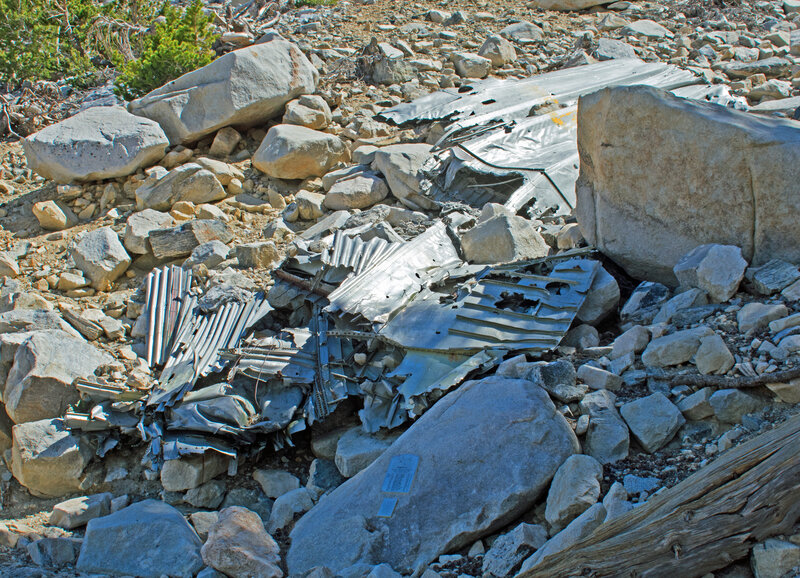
(189,182)
(731,404)
(773,277)
(77,512)
(54,552)
(225,142)
(469,65)
(138,228)
(359,192)
(644,303)
(295,152)
(190,472)
(209,254)
(654,420)
(310,111)
(54,216)
(503,239)
(696,406)
(239,547)
(180,241)
(574,489)
(276,483)
(208,495)
(259,255)
(597,378)
(356,450)
(713,356)
(498,50)
(510,549)
(774,558)
(602,299)
(756,316)
(286,506)
(634,340)
(101,256)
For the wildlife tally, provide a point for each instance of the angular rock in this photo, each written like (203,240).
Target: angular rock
(676,348)
(244,87)
(186,183)
(731,404)
(259,255)
(716,269)
(27,320)
(654,420)
(510,549)
(616,502)
(8,265)
(602,299)
(239,546)
(578,529)
(286,506)
(772,277)
(522,31)
(498,50)
(574,489)
(646,29)
(696,406)
(54,215)
(774,558)
(54,552)
(310,111)
(400,164)
(469,65)
(557,378)
(77,512)
(296,152)
(323,476)
(607,439)
(208,495)
(190,472)
(224,172)
(209,254)
(225,142)
(101,257)
(713,356)
(138,228)
(275,483)
(102,142)
(356,450)
(610,49)
(485,488)
(359,192)
(597,378)
(771,67)
(644,303)
(756,316)
(634,340)
(47,459)
(180,241)
(503,239)
(39,385)
(643,214)
(685,300)
(164,543)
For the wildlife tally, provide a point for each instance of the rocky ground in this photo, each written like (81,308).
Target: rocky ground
(668,357)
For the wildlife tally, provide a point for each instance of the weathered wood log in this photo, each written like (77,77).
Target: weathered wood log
(702,524)
(739,382)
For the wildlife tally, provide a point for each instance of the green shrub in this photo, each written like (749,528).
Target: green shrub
(178,45)
(314,2)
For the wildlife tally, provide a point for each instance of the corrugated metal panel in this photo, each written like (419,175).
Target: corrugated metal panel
(505,309)
(167,301)
(390,283)
(198,342)
(356,254)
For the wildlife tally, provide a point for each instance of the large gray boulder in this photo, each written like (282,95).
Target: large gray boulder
(47,459)
(101,256)
(443,483)
(39,385)
(147,539)
(102,142)
(295,152)
(645,215)
(244,87)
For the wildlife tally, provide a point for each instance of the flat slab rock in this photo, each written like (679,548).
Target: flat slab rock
(443,483)
(102,142)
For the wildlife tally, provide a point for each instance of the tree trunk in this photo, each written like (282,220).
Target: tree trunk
(704,523)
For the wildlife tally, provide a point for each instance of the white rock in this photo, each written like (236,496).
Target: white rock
(296,152)
(244,87)
(78,511)
(716,269)
(713,356)
(634,340)
(654,420)
(512,548)
(189,182)
(522,31)
(310,111)
(225,142)
(275,483)
(238,545)
(602,299)
(54,215)
(400,165)
(574,489)
(597,378)
(502,239)
(102,142)
(756,316)
(568,5)
(101,257)
(469,65)
(138,227)
(499,50)
(359,192)
(674,349)
(578,529)
(356,450)
(773,558)
(286,506)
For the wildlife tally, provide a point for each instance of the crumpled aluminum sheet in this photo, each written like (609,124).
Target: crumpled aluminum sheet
(199,339)
(501,150)
(504,309)
(513,99)
(385,287)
